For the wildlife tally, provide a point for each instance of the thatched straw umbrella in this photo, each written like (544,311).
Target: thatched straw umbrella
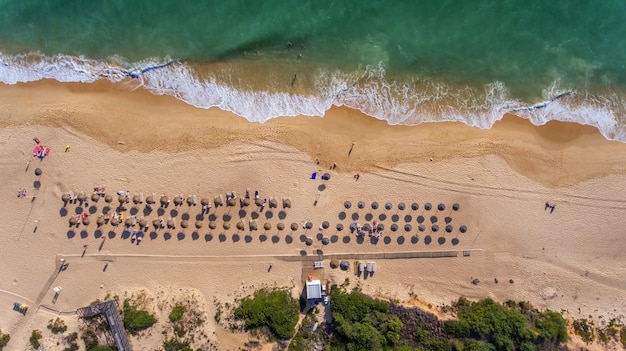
(121,199)
(308,225)
(434,228)
(415,206)
(441,207)
(65,197)
(394,227)
(136,199)
(339,227)
(361,204)
(273,203)
(95,197)
(294,226)
(286,203)
(325,224)
(258,202)
(388,206)
(108,199)
(407,227)
(401,206)
(246,202)
(184,223)
(253,225)
(178,200)
(267,226)
(280,226)
(212,225)
(380,227)
(240,226)
(428,206)
(86,221)
(115,221)
(204,201)
(150,199)
(231,202)
(156,224)
(226,225)
(100,221)
(164,200)
(347,204)
(463,229)
(449,228)
(421,227)
(143,222)
(171,224)
(218,201)
(374,205)
(198,224)
(38,172)
(190,201)
(128,222)
(81,197)
(334,263)
(72,220)
(456,207)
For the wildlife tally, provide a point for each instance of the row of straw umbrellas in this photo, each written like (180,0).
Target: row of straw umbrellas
(402,206)
(178,200)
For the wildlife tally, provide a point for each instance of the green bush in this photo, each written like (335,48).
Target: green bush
(136,319)
(174,344)
(552,327)
(274,309)
(177,313)
(90,338)
(57,326)
(35,336)
(101,348)
(4,339)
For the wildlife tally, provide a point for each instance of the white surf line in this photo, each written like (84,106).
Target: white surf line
(542,104)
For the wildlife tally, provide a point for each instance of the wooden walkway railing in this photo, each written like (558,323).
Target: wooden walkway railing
(112,315)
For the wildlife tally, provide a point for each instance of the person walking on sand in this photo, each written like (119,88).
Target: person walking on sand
(351,147)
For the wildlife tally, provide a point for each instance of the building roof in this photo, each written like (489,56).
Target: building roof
(313,289)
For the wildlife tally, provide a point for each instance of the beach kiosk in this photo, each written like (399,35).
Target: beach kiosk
(313,289)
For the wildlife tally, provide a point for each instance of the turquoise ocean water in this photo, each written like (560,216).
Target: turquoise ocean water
(406,62)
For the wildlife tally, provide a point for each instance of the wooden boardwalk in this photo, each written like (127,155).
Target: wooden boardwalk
(112,315)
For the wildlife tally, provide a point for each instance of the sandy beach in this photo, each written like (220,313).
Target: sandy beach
(571,259)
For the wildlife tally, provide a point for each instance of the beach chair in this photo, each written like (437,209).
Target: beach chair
(195,200)
(140,198)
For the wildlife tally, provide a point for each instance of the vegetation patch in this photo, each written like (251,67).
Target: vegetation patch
(177,313)
(362,323)
(584,329)
(57,326)
(35,338)
(136,319)
(274,309)
(4,339)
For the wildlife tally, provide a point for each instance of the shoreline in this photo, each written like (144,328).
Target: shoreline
(171,125)
(569,260)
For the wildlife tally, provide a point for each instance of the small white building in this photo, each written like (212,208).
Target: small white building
(313,289)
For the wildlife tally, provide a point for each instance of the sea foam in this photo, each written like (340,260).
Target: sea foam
(408,102)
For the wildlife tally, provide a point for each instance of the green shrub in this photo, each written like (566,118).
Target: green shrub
(57,326)
(584,329)
(101,348)
(551,326)
(136,319)
(174,344)
(177,313)
(274,309)
(4,339)
(90,338)
(35,336)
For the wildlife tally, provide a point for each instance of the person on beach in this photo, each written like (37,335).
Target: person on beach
(357,176)
(67,147)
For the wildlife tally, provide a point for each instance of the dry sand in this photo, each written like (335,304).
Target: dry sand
(569,260)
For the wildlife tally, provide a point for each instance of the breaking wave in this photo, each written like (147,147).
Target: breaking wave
(406,100)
